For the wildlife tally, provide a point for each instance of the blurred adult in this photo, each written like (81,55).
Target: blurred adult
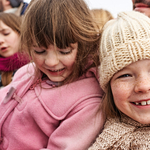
(142,6)
(17,7)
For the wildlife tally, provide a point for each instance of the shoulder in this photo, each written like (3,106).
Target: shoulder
(25,71)
(22,80)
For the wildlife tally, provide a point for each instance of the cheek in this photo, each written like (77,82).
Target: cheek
(37,60)
(15,42)
(70,60)
(120,93)
(16,38)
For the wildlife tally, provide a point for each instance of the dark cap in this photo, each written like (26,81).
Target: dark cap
(15,3)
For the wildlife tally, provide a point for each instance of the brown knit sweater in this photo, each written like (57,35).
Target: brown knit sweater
(123,134)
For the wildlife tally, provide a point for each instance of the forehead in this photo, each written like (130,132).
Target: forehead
(3,25)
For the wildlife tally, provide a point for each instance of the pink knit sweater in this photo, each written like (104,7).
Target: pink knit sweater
(61,118)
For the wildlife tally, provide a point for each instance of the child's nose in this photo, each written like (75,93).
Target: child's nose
(142,85)
(52,59)
(1,40)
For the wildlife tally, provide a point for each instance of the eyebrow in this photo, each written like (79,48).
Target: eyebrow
(3,30)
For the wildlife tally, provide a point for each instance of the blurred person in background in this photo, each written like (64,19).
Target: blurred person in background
(101,16)
(142,6)
(10,59)
(17,7)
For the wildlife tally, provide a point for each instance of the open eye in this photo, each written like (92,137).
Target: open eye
(124,76)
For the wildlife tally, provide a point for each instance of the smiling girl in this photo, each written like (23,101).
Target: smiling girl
(54,102)
(125,78)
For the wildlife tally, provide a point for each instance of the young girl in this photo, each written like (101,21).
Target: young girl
(9,47)
(54,102)
(125,78)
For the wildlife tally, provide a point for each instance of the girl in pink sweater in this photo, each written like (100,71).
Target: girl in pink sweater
(54,102)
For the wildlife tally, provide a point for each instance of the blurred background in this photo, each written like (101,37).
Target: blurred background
(114,6)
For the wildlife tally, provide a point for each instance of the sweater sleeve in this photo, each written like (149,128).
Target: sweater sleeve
(79,129)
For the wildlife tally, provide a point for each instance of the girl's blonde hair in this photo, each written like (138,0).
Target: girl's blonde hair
(12,21)
(101,16)
(61,23)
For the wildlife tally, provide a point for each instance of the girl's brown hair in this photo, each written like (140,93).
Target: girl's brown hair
(61,23)
(108,105)
(12,21)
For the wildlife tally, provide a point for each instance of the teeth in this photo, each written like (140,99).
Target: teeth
(57,70)
(136,103)
(148,102)
(143,103)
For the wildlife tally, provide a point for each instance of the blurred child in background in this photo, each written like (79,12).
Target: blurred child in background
(101,16)
(10,59)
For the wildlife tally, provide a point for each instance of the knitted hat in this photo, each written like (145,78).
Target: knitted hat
(125,39)
(15,3)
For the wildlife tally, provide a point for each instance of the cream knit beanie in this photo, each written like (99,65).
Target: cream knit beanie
(125,39)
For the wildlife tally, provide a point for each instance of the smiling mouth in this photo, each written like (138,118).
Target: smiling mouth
(57,70)
(143,103)
(140,5)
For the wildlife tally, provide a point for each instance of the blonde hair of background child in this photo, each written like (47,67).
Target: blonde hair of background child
(101,16)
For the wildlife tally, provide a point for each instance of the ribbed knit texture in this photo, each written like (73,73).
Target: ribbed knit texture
(13,62)
(124,40)
(124,134)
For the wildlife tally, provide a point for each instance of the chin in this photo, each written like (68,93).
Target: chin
(57,79)
(144,121)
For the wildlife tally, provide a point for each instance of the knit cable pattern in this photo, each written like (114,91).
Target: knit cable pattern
(124,134)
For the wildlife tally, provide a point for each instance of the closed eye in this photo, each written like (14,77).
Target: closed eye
(39,52)
(6,34)
(65,52)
